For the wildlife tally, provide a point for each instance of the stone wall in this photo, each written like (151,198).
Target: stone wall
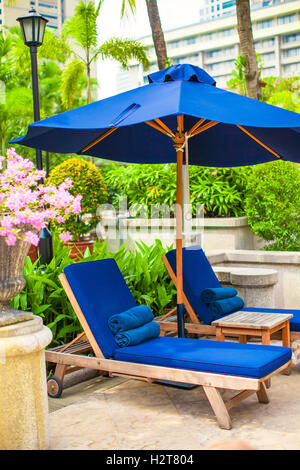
(286,264)
(231,233)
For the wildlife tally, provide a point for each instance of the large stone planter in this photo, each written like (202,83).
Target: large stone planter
(12,259)
(23,391)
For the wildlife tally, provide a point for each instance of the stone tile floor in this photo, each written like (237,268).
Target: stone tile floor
(120,414)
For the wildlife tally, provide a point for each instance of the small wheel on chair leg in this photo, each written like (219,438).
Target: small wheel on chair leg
(54,387)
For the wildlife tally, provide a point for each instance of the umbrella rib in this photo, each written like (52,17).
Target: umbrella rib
(180,124)
(195,126)
(96,141)
(258,141)
(206,126)
(164,126)
(156,126)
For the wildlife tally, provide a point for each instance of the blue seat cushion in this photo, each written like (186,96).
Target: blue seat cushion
(246,360)
(197,276)
(101,292)
(294,322)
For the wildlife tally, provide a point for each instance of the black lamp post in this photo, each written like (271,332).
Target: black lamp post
(33,27)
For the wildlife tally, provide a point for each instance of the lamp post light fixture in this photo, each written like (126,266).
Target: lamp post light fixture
(33,27)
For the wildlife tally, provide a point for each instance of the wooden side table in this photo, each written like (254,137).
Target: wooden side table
(262,324)
(247,324)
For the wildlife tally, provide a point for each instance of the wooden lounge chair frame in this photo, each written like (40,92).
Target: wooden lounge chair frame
(211,382)
(196,327)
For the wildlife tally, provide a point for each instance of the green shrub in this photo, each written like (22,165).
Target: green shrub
(221,190)
(88,181)
(144,272)
(273,204)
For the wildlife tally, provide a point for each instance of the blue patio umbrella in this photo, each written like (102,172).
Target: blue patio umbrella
(153,123)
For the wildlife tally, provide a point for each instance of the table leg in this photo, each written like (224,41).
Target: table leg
(266,339)
(242,338)
(286,341)
(219,334)
(286,338)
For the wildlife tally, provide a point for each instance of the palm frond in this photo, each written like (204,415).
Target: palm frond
(124,51)
(71,77)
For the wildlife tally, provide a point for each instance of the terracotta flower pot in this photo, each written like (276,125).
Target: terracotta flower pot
(78,248)
(32,253)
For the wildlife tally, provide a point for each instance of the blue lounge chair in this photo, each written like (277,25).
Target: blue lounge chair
(199,275)
(97,290)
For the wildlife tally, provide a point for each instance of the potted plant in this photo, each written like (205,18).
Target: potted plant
(88,181)
(26,207)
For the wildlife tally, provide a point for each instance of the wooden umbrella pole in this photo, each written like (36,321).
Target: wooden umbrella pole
(179,227)
(179,141)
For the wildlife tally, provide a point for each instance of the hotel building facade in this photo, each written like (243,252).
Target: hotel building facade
(56,11)
(213,43)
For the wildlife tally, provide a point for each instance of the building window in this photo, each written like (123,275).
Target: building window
(226,32)
(265,24)
(221,67)
(221,52)
(179,60)
(287,19)
(268,42)
(174,44)
(268,57)
(291,37)
(295,51)
(215,53)
(208,36)
(290,68)
(268,71)
(228,4)
(191,40)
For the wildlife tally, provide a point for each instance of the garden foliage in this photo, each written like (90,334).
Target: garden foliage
(220,190)
(273,204)
(89,183)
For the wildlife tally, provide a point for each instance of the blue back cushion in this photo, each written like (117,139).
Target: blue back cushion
(100,291)
(197,276)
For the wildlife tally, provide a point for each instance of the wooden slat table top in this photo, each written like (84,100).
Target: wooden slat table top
(254,320)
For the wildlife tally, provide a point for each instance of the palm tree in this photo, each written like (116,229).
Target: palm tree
(82,30)
(237,81)
(247,48)
(156,28)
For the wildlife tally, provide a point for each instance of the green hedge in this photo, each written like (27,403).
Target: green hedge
(220,190)
(272,204)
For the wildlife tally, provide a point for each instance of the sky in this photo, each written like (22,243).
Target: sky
(173,13)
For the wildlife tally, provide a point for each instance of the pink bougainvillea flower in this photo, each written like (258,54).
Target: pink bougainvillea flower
(76,205)
(65,236)
(31,238)
(11,239)
(24,202)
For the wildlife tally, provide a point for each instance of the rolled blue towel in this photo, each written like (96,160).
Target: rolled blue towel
(132,318)
(222,307)
(138,335)
(218,293)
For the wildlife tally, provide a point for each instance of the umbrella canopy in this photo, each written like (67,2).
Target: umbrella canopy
(242,131)
(180,104)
